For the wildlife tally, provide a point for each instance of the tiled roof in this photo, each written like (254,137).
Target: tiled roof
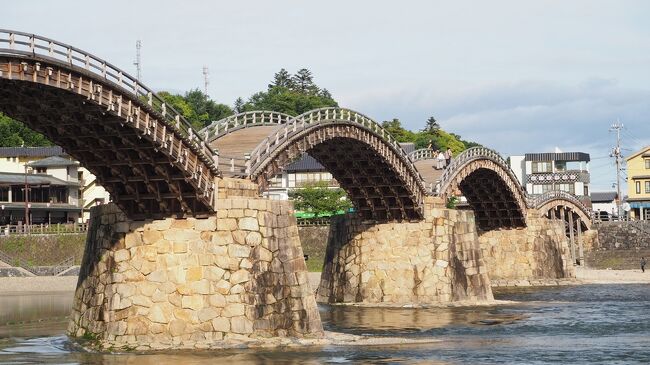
(30,151)
(10,178)
(306,163)
(52,161)
(605,196)
(558,156)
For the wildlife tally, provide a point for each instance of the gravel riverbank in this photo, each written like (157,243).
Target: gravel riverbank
(40,284)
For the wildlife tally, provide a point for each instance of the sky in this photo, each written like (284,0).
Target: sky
(515,76)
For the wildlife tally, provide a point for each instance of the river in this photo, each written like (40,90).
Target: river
(588,324)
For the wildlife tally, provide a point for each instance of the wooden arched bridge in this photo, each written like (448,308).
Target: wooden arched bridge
(364,158)
(141,150)
(154,164)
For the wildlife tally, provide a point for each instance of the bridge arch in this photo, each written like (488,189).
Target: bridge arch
(367,162)
(490,186)
(142,151)
(548,204)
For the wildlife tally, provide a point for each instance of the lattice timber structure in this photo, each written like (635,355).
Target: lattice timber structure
(491,189)
(368,163)
(141,150)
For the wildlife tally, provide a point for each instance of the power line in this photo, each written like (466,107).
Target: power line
(632,139)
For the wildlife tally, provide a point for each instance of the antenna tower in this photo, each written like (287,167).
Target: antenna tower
(138,45)
(206,80)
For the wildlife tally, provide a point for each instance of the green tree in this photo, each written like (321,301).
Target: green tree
(394,127)
(303,82)
(16,134)
(432,125)
(196,107)
(287,101)
(239,105)
(206,109)
(281,78)
(441,140)
(320,200)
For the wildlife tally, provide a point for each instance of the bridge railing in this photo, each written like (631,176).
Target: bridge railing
(13,42)
(223,126)
(43,228)
(538,201)
(422,154)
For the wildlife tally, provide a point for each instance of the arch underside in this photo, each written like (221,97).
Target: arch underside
(141,176)
(551,210)
(494,204)
(373,183)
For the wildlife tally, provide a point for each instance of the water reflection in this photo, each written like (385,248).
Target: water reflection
(34,314)
(392,321)
(600,324)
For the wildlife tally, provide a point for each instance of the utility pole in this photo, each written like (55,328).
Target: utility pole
(206,80)
(616,153)
(137,63)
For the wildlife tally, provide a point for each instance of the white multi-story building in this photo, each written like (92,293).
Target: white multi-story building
(60,191)
(542,172)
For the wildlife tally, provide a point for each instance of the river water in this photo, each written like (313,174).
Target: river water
(589,324)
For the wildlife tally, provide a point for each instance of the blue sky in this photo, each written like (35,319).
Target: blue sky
(517,76)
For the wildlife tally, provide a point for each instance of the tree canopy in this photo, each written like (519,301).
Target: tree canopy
(320,200)
(196,107)
(439,138)
(16,134)
(290,94)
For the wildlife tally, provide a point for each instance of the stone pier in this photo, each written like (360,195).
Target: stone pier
(538,251)
(437,260)
(238,275)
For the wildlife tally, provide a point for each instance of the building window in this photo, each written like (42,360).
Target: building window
(647,164)
(560,166)
(647,187)
(41,170)
(544,166)
(541,189)
(638,187)
(568,188)
(4,193)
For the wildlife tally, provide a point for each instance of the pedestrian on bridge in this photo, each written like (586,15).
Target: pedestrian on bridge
(643,262)
(448,155)
(441,160)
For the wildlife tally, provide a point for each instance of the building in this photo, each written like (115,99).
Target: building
(638,184)
(59,190)
(563,171)
(604,202)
